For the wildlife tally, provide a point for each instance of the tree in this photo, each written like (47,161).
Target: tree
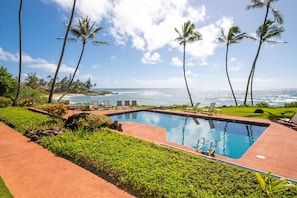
(187,35)
(266,33)
(84,31)
(32,81)
(279,19)
(8,84)
(51,92)
(234,35)
(15,102)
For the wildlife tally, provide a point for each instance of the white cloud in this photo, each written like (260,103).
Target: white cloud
(37,63)
(149,58)
(176,61)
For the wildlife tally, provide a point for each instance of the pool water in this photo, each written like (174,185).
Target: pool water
(232,138)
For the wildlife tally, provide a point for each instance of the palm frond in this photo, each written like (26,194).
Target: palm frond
(277,15)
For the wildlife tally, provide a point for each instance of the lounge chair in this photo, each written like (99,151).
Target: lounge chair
(134,103)
(119,104)
(106,104)
(95,104)
(211,108)
(292,122)
(194,108)
(127,103)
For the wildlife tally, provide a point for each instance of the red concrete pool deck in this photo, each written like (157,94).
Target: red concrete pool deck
(29,170)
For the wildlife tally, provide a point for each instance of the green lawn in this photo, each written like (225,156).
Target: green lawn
(4,192)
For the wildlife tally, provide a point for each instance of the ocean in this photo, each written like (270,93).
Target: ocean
(179,96)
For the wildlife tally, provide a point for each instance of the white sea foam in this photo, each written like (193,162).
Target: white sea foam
(162,97)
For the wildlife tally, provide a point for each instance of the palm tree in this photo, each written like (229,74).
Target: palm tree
(15,102)
(279,19)
(234,35)
(187,35)
(51,92)
(85,31)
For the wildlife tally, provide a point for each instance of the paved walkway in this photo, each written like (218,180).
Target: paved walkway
(30,171)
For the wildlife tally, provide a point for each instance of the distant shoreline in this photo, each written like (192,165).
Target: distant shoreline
(56,96)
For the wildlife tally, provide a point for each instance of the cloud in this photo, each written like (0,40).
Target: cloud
(36,63)
(176,61)
(149,58)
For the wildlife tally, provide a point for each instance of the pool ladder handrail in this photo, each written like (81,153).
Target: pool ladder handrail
(199,147)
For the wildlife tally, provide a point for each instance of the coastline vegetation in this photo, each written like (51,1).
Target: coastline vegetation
(143,168)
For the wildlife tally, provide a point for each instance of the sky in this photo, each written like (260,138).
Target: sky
(142,51)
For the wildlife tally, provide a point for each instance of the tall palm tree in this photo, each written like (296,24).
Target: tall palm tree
(15,102)
(84,31)
(234,35)
(51,92)
(268,32)
(279,19)
(187,35)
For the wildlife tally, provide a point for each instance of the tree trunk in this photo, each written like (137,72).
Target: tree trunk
(184,69)
(15,102)
(50,97)
(78,63)
(227,73)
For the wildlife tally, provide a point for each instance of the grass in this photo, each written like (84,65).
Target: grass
(4,192)
(146,169)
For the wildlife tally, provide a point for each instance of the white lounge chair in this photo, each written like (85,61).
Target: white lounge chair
(193,108)
(211,108)
(95,104)
(106,104)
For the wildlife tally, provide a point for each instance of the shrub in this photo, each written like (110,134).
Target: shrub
(86,121)
(56,110)
(263,105)
(5,102)
(290,104)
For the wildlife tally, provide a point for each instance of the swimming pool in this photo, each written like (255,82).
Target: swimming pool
(232,138)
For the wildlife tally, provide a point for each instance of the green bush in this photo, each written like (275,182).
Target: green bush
(22,119)
(290,104)
(262,105)
(5,102)
(56,110)
(86,121)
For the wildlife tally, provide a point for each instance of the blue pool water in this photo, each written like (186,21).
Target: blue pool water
(233,138)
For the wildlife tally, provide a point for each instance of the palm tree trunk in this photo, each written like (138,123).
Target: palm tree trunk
(184,69)
(78,63)
(50,97)
(251,75)
(227,73)
(15,102)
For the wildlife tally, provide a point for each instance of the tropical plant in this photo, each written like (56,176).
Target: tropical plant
(85,31)
(51,92)
(271,187)
(234,35)
(15,102)
(263,36)
(187,35)
(8,84)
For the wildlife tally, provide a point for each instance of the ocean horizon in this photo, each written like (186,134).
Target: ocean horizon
(179,96)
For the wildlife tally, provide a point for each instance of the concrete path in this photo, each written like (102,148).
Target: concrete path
(30,171)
